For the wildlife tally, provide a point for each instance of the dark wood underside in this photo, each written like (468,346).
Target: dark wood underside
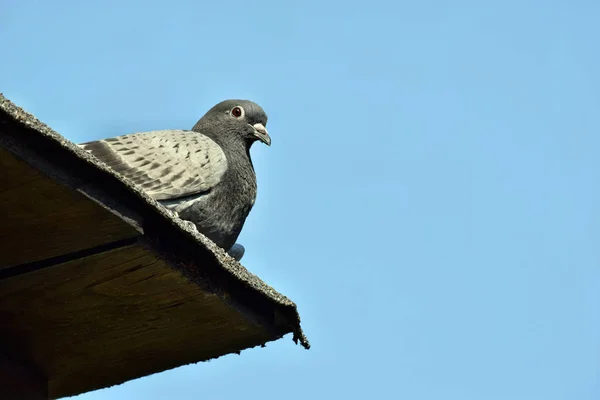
(88,305)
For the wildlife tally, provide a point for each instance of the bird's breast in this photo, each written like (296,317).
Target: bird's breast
(220,214)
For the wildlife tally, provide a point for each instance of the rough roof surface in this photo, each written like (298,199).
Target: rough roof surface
(129,228)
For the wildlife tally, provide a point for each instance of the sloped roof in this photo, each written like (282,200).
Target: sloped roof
(99,284)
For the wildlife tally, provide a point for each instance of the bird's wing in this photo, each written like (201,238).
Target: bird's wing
(166,164)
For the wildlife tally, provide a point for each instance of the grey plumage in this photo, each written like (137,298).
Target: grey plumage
(205,175)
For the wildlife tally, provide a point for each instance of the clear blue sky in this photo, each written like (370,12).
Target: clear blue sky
(431,198)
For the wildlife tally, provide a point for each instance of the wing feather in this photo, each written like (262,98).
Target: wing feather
(166,164)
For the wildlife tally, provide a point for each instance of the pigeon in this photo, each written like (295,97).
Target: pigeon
(203,175)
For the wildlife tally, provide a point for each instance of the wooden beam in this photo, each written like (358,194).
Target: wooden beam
(110,317)
(42,219)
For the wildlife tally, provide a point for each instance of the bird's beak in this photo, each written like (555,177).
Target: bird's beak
(261,133)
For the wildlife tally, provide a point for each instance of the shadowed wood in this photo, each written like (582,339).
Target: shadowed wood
(40,218)
(20,381)
(115,316)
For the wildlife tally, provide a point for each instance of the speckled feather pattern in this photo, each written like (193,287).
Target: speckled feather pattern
(166,164)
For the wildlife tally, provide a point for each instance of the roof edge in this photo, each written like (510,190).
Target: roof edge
(185,250)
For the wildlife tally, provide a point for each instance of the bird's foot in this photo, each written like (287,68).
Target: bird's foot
(236,251)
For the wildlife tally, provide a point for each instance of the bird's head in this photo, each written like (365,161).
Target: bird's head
(243,117)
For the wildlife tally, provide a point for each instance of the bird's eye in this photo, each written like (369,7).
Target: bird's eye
(237,111)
